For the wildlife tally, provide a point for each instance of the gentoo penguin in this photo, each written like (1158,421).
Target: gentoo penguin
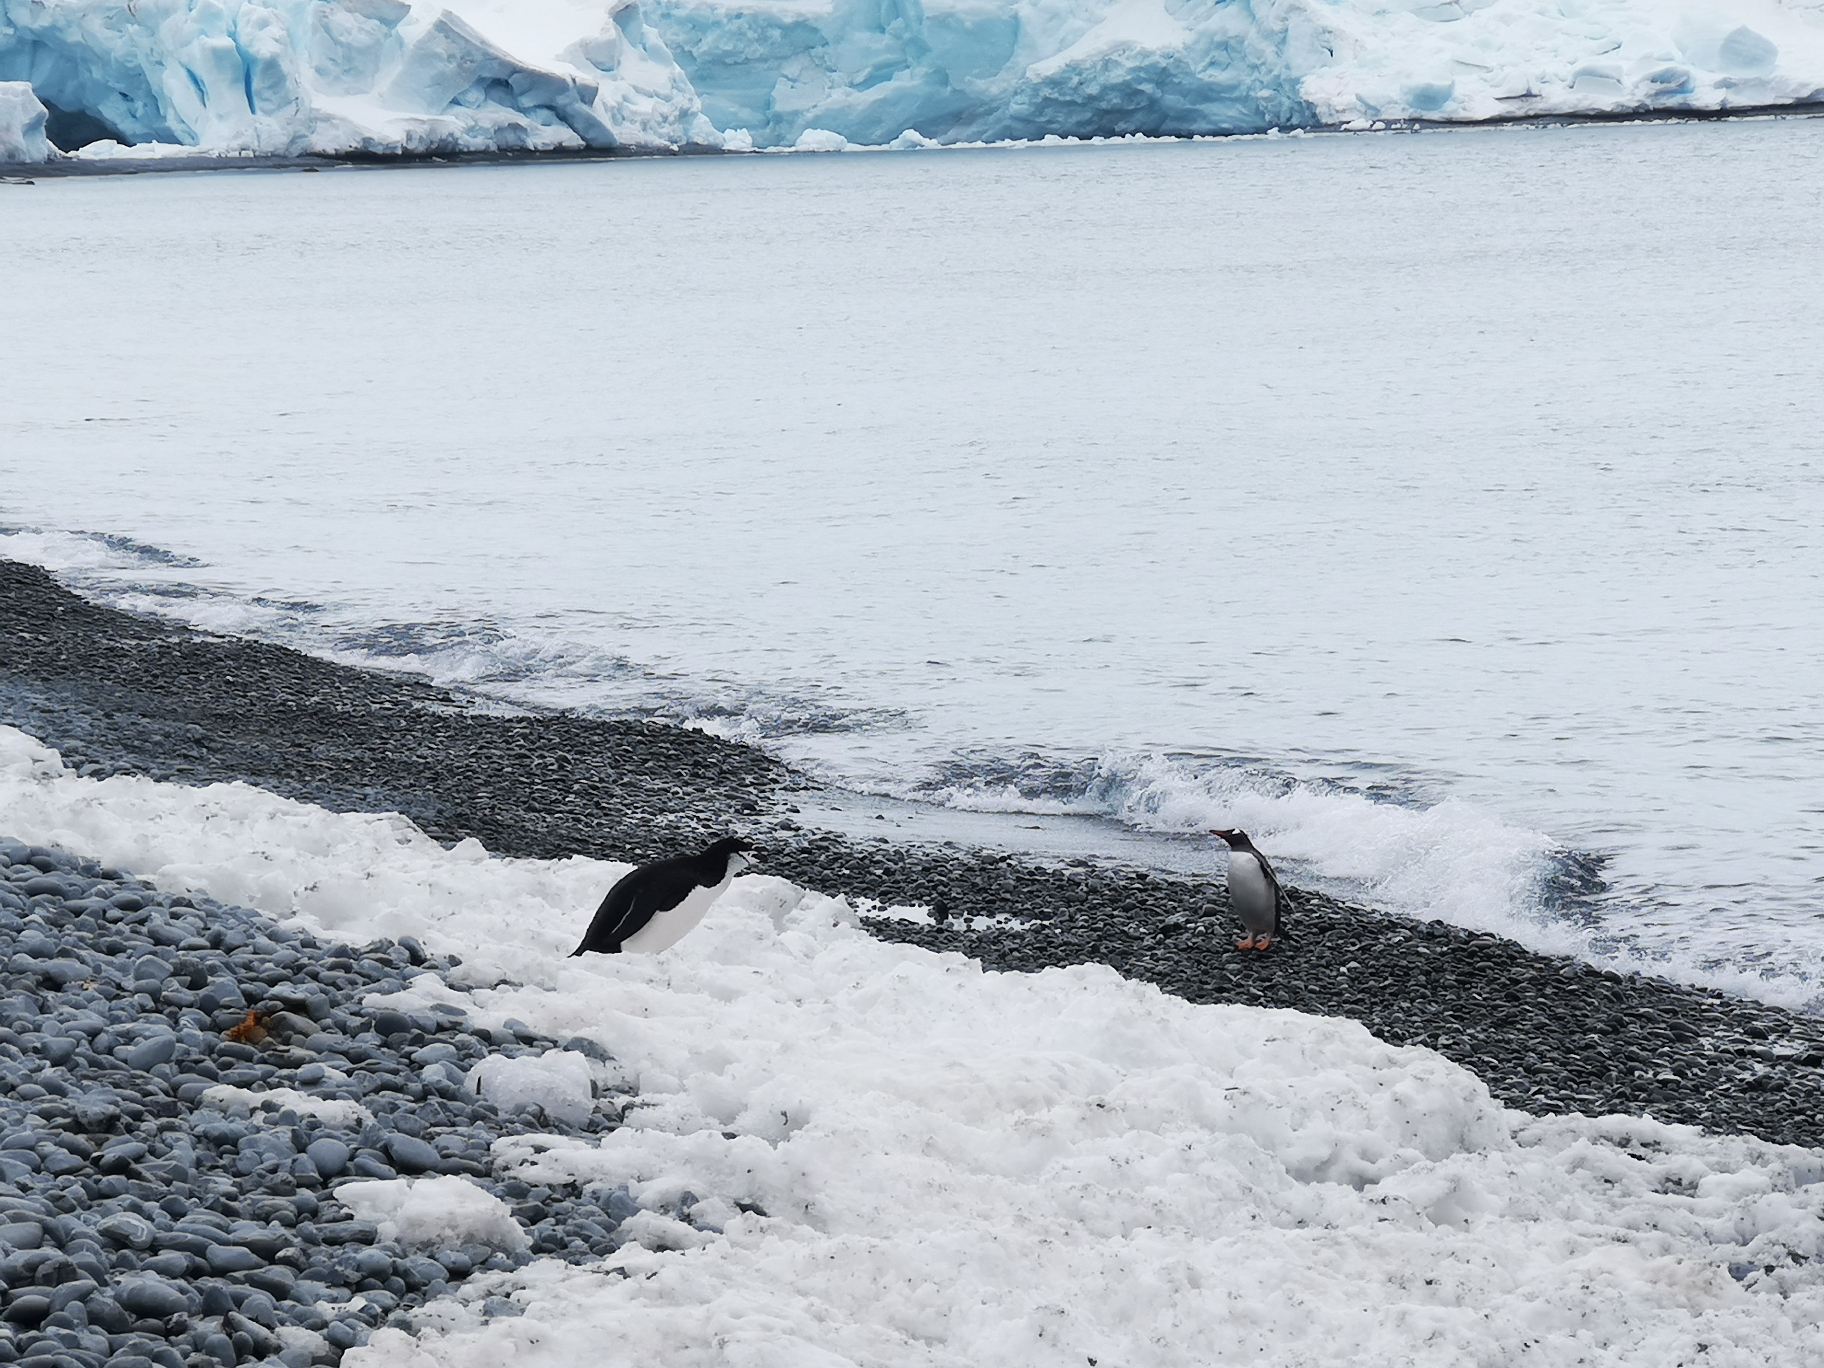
(1254,891)
(654,906)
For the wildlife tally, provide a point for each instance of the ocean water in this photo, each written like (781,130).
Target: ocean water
(1444,509)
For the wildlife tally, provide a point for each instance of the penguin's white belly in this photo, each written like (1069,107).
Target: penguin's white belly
(1250,893)
(666,929)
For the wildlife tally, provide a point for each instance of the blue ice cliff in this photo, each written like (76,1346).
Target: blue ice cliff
(392,76)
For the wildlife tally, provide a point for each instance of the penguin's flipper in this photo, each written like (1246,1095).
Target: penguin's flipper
(601,935)
(1280,901)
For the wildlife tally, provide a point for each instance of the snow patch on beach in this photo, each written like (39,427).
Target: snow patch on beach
(338,1112)
(849,1151)
(428,1212)
(558,1081)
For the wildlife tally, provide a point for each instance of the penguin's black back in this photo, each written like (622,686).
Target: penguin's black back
(644,892)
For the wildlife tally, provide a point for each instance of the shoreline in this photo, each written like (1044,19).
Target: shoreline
(119,693)
(68,165)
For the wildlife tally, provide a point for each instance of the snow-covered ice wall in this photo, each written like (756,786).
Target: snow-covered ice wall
(964,70)
(295,76)
(292,76)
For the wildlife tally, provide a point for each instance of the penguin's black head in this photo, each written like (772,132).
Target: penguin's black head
(1237,838)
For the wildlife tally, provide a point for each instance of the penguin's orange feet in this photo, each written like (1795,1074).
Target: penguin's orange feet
(1263,942)
(1247,944)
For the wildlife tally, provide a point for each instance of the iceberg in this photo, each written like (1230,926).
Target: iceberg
(297,77)
(379,77)
(21,124)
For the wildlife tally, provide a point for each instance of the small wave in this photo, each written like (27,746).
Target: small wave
(552,668)
(1390,839)
(1380,835)
(541,665)
(78,551)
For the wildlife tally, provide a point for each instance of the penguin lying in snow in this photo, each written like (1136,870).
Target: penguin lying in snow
(1254,891)
(655,905)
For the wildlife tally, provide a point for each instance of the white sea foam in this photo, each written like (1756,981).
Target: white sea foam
(1446,858)
(895,1157)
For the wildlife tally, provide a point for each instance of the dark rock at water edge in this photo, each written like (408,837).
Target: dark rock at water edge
(139,1223)
(115,692)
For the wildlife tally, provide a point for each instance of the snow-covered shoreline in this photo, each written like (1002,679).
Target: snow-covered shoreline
(392,78)
(895,1157)
(906,1156)
(1546,1034)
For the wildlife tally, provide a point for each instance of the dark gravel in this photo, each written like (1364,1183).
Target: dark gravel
(116,692)
(140,1223)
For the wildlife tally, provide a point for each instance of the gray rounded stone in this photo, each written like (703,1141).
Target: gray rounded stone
(123,1227)
(421,1271)
(28,1309)
(153,1050)
(412,1155)
(260,1308)
(21,1235)
(233,1259)
(152,1298)
(328,1154)
(107,1315)
(343,1334)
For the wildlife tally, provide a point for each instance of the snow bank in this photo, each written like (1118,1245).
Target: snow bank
(339,1112)
(846,1151)
(389,76)
(428,1212)
(559,1081)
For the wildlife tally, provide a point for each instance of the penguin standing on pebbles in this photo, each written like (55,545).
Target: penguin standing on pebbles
(1254,892)
(655,905)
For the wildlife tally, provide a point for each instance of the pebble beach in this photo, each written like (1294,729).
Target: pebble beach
(185,1084)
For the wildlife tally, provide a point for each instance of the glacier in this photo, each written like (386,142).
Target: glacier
(391,77)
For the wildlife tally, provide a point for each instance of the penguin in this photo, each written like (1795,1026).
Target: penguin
(653,907)
(1254,892)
